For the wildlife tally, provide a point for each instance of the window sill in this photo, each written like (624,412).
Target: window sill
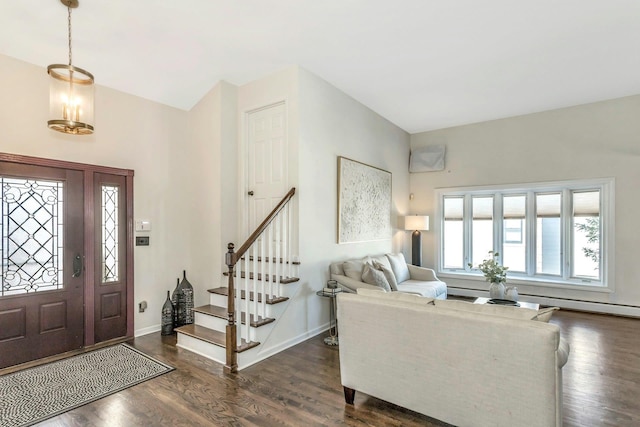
(535,282)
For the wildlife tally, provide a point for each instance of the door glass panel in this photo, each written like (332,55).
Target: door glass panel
(109,234)
(32,230)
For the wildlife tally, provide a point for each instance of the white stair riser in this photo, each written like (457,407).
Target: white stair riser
(203,348)
(211,322)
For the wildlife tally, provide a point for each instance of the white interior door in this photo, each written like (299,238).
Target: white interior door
(267,162)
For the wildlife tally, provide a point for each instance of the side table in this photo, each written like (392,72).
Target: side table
(332,339)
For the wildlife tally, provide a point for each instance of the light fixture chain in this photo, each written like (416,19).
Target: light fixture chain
(69,26)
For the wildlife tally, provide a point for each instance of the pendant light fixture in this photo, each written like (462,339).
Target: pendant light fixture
(70,93)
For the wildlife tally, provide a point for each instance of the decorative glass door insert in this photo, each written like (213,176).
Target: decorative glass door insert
(109,233)
(32,235)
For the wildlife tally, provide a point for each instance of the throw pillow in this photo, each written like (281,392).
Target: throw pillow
(388,274)
(353,268)
(399,267)
(494,309)
(545,314)
(396,296)
(375,277)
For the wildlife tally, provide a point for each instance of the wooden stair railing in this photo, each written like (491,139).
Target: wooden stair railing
(232,258)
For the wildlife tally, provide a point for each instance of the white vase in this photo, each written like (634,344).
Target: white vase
(496,290)
(511,293)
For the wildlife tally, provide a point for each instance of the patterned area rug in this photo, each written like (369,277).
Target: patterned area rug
(35,394)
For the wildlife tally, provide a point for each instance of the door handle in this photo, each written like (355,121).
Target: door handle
(250,193)
(77,265)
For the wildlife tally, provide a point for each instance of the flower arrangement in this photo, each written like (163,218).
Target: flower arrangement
(493,272)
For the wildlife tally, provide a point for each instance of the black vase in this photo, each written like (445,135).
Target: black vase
(174,300)
(185,301)
(168,317)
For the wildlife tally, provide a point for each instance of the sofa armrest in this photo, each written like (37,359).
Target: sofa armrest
(422,273)
(351,285)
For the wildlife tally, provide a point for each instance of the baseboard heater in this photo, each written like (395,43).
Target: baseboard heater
(570,304)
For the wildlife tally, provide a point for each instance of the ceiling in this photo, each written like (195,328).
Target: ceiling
(422,64)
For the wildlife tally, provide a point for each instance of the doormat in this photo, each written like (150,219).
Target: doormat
(35,394)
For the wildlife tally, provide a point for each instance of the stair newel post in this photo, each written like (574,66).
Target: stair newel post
(231,345)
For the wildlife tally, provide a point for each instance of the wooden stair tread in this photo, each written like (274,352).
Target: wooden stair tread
(274,260)
(221,312)
(272,278)
(225,292)
(213,337)
(205,334)
(261,321)
(212,310)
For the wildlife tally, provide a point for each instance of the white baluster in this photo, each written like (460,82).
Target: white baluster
(285,244)
(263,272)
(254,310)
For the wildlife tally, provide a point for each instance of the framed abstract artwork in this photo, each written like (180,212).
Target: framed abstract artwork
(364,202)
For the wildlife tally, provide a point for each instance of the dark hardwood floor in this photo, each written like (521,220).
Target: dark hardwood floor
(301,386)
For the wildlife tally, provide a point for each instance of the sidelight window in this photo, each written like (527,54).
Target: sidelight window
(109,234)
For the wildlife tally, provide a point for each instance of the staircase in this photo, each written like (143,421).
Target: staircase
(257,287)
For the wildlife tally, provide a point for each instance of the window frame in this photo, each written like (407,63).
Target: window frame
(606,187)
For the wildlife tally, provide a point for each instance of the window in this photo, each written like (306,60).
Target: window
(551,232)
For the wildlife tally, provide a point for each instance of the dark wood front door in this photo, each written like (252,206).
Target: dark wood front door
(42,249)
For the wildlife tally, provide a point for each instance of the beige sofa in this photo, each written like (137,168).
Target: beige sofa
(409,278)
(467,365)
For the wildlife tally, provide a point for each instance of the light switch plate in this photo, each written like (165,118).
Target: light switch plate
(143,225)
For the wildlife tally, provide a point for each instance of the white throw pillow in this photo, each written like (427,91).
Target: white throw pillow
(388,274)
(399,267)
(494,309)
(375,277)
(353,268)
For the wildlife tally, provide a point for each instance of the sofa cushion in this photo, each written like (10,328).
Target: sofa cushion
(544,314)
(433,289)
(396,296)
(492,309)
(399,267)
(382,259)
(375,277)
(388,274)
(353,268)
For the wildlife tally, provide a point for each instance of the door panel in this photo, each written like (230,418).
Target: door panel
(41,299)
(267,171)
(110,279)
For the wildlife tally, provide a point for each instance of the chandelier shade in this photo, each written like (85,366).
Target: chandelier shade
(71,92)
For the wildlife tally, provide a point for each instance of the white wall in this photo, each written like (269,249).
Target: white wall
(131,133)
(333,124)
(588,141)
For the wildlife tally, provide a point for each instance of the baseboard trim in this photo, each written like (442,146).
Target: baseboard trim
(146,331)
(578,305)
(268,352)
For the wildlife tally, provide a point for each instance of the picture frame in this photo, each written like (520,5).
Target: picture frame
(364,202)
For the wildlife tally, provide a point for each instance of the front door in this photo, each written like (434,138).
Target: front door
(42,248)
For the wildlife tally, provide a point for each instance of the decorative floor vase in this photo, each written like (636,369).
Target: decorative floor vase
(496,290)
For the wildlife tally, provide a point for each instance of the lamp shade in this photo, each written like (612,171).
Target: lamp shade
(70,99)
(416,222)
